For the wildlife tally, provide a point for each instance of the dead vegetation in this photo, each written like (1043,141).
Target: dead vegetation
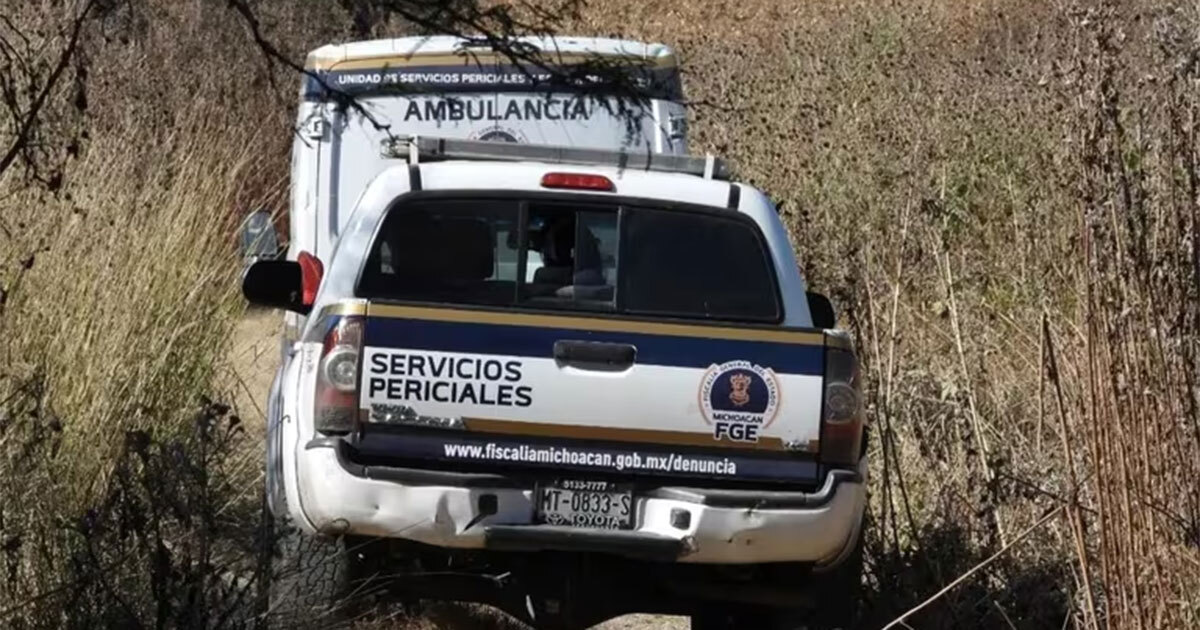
(1001,196)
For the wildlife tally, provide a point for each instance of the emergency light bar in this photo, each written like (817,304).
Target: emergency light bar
(433,149)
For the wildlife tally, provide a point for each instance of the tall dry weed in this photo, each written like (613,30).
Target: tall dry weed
(120,296)
(1000,197)
(119,325)
(1123,366)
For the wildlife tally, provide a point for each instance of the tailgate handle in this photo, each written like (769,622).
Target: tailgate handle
(594,355)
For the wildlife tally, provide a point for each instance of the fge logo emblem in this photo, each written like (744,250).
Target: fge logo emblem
(739,399)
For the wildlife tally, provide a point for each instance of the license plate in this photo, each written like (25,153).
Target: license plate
(597,504)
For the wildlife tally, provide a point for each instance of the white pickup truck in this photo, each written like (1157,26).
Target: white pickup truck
(570,379)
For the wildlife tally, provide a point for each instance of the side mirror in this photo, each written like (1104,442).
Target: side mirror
(286,284)
(258,238)
(821,310)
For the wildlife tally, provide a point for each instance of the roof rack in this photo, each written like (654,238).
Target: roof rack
(432,149)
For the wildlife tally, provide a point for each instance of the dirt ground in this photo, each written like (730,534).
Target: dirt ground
(254,357)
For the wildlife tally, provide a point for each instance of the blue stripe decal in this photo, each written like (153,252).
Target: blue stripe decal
(535,342)
(440,80)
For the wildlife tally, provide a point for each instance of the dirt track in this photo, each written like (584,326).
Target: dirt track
(254,357)
(255,353)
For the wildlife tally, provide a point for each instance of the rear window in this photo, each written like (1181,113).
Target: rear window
(572,255)
(695,265)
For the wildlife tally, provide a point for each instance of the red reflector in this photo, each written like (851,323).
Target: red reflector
(577,181)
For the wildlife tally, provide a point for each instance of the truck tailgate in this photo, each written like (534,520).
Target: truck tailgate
(514,390)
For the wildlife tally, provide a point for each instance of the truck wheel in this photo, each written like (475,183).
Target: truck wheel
(308,583)
(839,591)
(836,593)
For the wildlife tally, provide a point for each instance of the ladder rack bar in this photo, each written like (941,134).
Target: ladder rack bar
(427,148)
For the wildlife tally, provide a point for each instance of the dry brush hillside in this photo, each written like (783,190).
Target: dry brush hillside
(1001,197)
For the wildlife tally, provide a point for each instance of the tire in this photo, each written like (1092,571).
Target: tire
(840,591)
(309,581)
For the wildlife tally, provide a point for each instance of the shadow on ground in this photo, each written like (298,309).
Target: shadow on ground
(1012,592)
(1016,592)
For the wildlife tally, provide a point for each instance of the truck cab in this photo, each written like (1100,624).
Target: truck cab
(572,378)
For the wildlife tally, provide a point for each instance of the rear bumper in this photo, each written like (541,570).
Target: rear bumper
(443,509)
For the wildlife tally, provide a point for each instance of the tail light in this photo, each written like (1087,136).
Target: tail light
(842,412)
(337,376)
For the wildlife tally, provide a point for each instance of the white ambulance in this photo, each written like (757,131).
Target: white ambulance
(543,359)
(446,87)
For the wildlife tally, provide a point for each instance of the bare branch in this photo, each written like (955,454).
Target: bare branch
(496,29)
(272,53)
(26,126)
(13,27)
(960,579)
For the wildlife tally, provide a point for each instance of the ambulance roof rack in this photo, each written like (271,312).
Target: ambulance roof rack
(433,149)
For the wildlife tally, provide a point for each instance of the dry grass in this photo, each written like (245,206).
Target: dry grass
(121,296)
(117,326)
(1000,195)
